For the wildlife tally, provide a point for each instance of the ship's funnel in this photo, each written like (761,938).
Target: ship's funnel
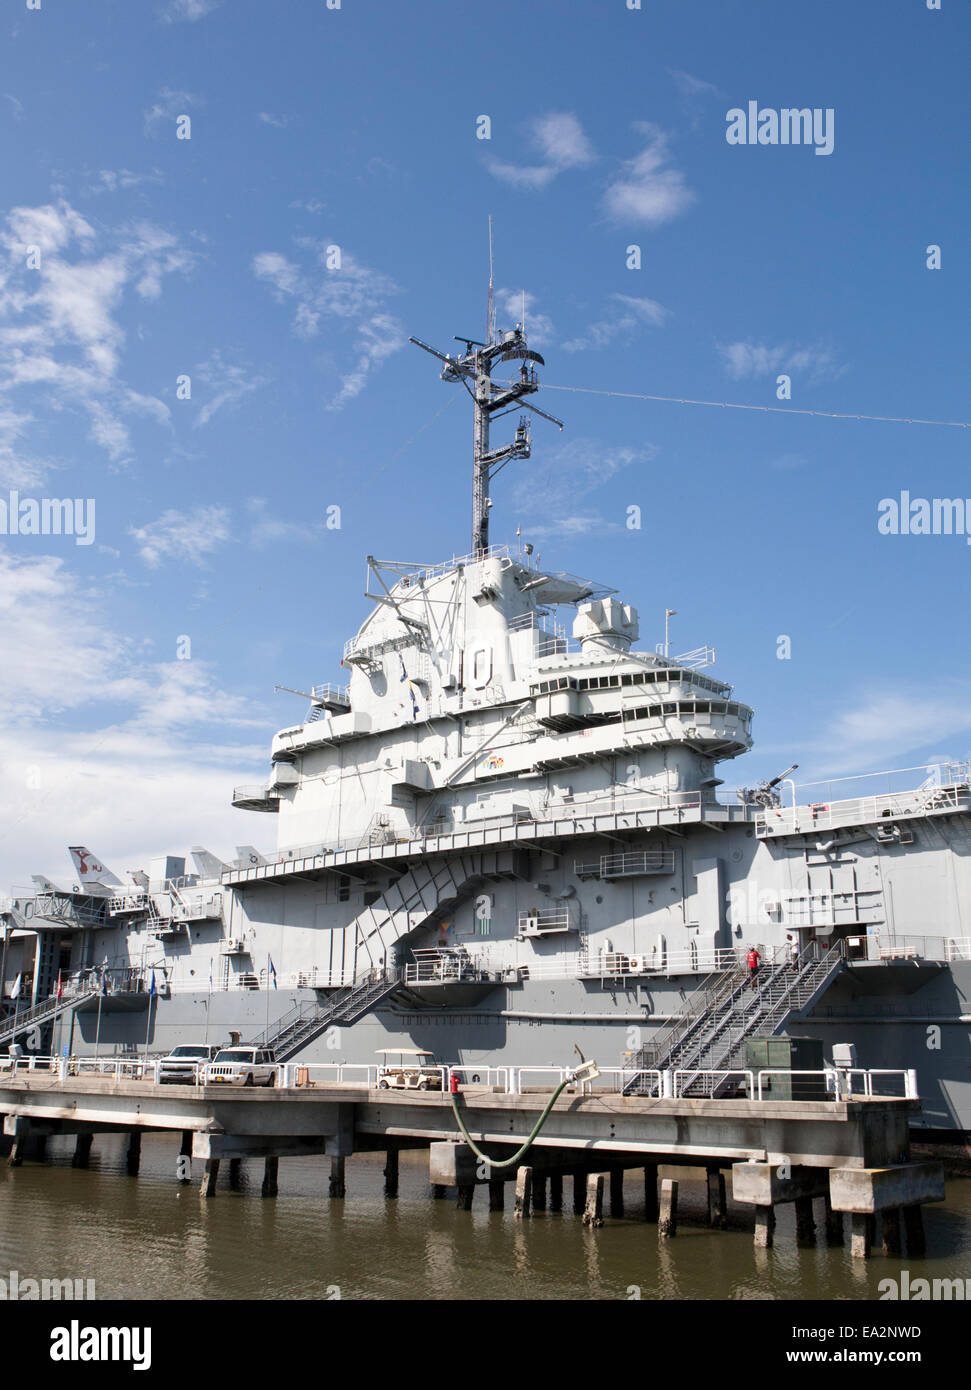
(605,625)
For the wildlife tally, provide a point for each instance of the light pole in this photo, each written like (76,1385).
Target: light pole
(669,613)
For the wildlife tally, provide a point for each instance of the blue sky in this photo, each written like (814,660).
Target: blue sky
(356,127)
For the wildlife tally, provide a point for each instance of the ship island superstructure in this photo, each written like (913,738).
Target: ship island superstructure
(501,838)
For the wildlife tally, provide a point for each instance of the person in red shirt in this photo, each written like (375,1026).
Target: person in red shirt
(753,960)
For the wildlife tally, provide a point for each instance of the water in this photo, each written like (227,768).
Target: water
(152,1238)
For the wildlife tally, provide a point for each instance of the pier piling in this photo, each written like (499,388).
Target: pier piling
(579,1193)
(207,1188)
(861,1235)
(667,1223)
(539,1191)
(805,1221)
(271,1171)
(717,1200)
(337,1187)
(834,1224)
(650,1192)
(914,1230)
(556,1192)
(497,1194)
(890,1231)
(617,1193)
(524,1192)
(82,1151)
(133,1154)
(593,1212)
(764,1227)
(466,1194)
(391,1173)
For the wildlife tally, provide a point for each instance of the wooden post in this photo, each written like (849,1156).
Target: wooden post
(466,1194)
(764,1227)
(667,1223)
(271,1171)
(337,1188)
(593,1214)
(861,1236)
(617,1192)
(17,1151)
(805,1221)
(207,1187)
(556,1192)
(438,1192)
(834,1224)
(524,1192)
(717,1200)
(579,1193)
(497,1194)
(391,1173)
(914,1229)
(133,1156)
(82,1151)
(650,1192)
(539,1191)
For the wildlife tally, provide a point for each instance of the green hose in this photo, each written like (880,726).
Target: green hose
(508,1162)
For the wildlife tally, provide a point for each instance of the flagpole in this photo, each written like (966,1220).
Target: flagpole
(267,1033)
(148,1025)
(97,1031)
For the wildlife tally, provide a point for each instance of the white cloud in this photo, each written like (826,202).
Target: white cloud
(756,359)
(153,772)
(190,10)
(509,310)
(187,536)
(267,530)
(168,105)
(351,299)
(691,86)
(60,327)
(646,190)
(16,106)
(624,316)
(281,122)
(880,730)
(546,495)
(560,140)
(228,382)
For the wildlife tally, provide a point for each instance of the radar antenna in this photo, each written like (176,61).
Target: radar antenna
(474,369)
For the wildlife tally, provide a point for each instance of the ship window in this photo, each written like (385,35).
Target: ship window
(703,707)
(718,708)
(343,889)
(669,709)
(733,709)
(626,680)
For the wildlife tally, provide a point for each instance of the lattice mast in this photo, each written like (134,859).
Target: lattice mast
(490,400)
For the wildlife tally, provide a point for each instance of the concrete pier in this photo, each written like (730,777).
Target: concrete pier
(764,1227)
(861,1235)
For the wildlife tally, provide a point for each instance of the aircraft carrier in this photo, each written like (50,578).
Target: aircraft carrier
(503,838)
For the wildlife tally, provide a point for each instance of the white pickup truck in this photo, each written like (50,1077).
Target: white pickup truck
(243,1066)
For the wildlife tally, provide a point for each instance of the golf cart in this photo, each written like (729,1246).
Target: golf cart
(408,1069)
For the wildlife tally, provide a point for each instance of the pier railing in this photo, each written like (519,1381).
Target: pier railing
(836,1083)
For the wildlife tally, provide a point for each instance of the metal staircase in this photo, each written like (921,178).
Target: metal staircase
(307,1021)
(44,1012)
(416,899)
(710,1035)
